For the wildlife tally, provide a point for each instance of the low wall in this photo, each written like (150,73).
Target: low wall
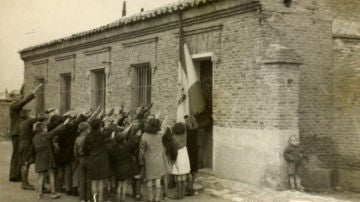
(252,156)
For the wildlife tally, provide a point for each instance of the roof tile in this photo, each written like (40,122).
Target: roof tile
(167,9)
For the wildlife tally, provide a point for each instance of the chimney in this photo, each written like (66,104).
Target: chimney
(124,9)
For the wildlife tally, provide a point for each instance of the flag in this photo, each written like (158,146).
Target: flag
(183,100)
(196,99)
(190,98)
(183,104)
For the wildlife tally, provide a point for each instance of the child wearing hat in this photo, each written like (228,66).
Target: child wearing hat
(294,157)
(181,167)
(44,157)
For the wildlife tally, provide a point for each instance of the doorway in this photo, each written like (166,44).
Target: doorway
(204,67)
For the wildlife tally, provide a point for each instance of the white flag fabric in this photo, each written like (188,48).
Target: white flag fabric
(183,100)
(190,98)
(196,98)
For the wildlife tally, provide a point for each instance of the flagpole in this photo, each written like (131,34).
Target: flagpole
(182,105)
(181,42)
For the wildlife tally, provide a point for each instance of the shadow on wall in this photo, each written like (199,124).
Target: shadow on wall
(320,172)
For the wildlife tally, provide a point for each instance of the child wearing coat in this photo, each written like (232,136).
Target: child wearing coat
(97,159)
(181,167)
(121,162)
(151,155)
(84,181)
(170,156)
(294,157)
(44,157)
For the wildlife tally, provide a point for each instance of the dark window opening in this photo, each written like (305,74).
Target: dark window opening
(65,92)
(287,3)
(98,88)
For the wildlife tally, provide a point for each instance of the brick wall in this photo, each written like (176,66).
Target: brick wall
(328,128)
(237,39)
(236,110)
(346,109)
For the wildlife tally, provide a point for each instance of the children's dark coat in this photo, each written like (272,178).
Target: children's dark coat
(26,136)
(170,145)
(294,157)
(134,140)
(121,161)
(14,112)
(98,158)
(66,141)
(44,157)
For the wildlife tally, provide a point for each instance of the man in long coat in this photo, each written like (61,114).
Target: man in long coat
(14,111)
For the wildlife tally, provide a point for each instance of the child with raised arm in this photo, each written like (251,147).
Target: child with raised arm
(97,159)
(44,157)
(121,162)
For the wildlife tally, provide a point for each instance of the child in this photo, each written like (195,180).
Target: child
(84,182)
(294,156)
(192,146)
(170,156)
(26,135)
(181,167)
(121,161)
(151,151)
(134,137)
(98,159)
(44,157)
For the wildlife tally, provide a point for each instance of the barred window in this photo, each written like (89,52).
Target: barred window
(141,85)
(65,92)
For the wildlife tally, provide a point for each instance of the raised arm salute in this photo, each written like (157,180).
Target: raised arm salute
(17,104)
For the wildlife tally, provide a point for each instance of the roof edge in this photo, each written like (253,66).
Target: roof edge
(136,18)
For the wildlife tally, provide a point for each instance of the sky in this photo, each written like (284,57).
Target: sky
(25,23)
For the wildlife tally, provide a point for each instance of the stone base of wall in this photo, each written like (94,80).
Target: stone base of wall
(349,179)
(317,179)
(251,156)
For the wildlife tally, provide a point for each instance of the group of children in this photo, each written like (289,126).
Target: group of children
(95,155)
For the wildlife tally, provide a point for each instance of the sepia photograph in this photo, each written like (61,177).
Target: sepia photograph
(180,100)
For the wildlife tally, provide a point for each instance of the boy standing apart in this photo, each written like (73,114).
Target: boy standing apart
(294,157)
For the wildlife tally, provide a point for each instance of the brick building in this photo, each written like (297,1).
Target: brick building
(277,67)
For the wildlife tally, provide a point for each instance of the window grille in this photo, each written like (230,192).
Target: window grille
(142,85)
